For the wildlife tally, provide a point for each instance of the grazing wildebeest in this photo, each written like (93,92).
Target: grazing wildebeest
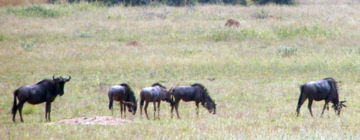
(43,91)
(325,89)
(195,92)
(156,93)
(124,94)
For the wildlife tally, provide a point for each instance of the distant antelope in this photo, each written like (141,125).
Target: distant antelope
(232,23)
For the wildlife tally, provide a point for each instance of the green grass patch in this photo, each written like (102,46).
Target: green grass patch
(36,11)
(238,35)
(2,37)
(285,51)
(278,33)
(313,32)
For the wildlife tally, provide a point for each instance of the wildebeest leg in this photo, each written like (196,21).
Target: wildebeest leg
(309,107)
(141,107)
(14,112)
(159,109)
(172,109)
(145,110)
(302,99)
(176,109)
(325,105)
(124,109)
(121,110)
(20,106)
(197,108)
(47,111)
(154,103)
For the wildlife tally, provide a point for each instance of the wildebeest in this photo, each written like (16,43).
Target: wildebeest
(44,91)
(156,93)
(232,23)
(196,92)
(124,94)
(325,89)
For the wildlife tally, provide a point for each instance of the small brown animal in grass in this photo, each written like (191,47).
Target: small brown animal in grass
(232,23)
(133,43)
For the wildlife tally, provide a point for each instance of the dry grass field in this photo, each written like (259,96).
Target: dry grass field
(253,72)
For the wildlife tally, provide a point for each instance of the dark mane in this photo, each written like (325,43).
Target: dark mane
(130,96)
(333,82)
(43,81)
(334,89)
(201,86)
(124,85)
(206,97)
(158,84)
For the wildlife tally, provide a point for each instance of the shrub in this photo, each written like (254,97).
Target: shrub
(234,2)
(261,2)
(262,14)
(285,51)
(28,45)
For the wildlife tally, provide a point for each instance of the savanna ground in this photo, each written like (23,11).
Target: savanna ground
(257,68)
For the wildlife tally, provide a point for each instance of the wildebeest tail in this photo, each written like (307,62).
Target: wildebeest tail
(301,94)
(13,110)
(110,102)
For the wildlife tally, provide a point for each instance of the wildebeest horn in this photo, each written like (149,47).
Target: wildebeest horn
(342,103)
(53,77)
(68,79)
(169,91)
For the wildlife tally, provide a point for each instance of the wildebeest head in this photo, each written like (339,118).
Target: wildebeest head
(337,107)
(132,107)
(211,107)
(130,100)
(60,83)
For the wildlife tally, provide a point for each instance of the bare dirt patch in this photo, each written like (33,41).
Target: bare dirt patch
(94,120)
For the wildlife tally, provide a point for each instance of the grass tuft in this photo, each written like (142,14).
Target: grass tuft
(286,51)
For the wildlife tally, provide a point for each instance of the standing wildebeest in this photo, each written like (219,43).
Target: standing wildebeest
(195,92)
(43,91)
(325,89)
(155,93)
(124,94)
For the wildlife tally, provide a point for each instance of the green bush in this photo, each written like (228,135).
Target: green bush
(261,2)
(234,2)
(28,44)
(285,51)
(262,14)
